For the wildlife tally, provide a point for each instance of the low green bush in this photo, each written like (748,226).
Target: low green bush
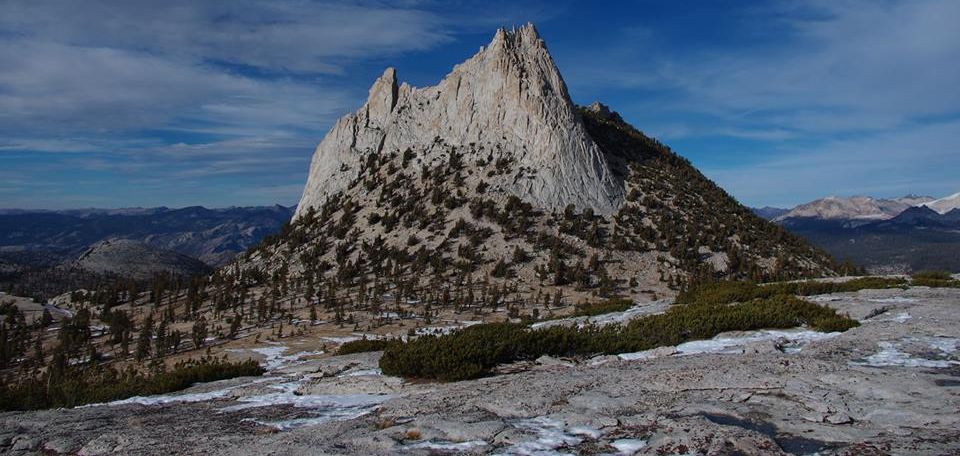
(362,345)
(931,275)
(72,387)
(939,279)
(727,292)
(474,351)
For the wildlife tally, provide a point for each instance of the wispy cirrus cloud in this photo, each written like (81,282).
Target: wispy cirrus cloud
(132,91)
(813,92)
(820,67)
(202,102)
(287,35)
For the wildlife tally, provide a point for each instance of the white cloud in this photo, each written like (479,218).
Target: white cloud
(916,159)
(833,66)
(244,89)
(55,88)
(301,36)
(832,97)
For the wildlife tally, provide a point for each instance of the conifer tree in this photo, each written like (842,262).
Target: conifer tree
(144,339)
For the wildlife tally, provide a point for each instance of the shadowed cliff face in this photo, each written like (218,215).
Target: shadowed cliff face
(507,102)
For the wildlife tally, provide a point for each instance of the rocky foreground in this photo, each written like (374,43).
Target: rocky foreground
(887,387)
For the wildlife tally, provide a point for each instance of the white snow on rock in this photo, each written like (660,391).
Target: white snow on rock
(947,345)
(170,398)
(638,310)
(891,356)
(275,390)
(274,358)
(286,394)
(793,341)
(161,399)
(361,373)
(322,407)
(331,414)
(441,330)
(445,447)
(548,435)
(894,299)
(351,338)
(628,446)
(901,317)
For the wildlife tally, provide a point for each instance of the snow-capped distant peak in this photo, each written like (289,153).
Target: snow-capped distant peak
(945,204)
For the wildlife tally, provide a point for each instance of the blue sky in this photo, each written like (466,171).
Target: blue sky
(128,103)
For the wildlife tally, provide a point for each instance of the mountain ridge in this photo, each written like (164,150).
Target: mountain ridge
(945,204)
(43,238)
(136,260)
(854,208)
(493,180)
(508,97)
(913,239)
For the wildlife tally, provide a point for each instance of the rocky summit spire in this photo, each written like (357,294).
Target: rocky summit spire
(507,103)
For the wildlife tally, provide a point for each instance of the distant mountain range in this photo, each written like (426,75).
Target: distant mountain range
(853,208)
(946,204)
(904,234)
(38,238)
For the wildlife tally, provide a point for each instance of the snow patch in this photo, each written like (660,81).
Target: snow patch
(351,338)
(794,339)
(902,317)
(448,446)
(162,399)
(274,358)
(628,446)
(893,299)
(550,435)
(638,310)
(890,355)
(328,416)
(947,345)
(286,394)
(54,309)
(635,356)
(586,432)
(362,372)
(442,330)
(169,398)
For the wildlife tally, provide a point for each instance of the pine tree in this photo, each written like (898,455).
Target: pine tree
(161,338)
(234,327)
(38,354)
(199,332)
(144,340)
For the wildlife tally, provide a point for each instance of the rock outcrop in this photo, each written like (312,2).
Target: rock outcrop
(886,387)
(507,102)
(129,258)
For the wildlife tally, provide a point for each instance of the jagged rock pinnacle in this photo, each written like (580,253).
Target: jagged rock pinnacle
(508,99)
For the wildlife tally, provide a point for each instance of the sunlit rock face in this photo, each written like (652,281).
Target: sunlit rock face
(508,102)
